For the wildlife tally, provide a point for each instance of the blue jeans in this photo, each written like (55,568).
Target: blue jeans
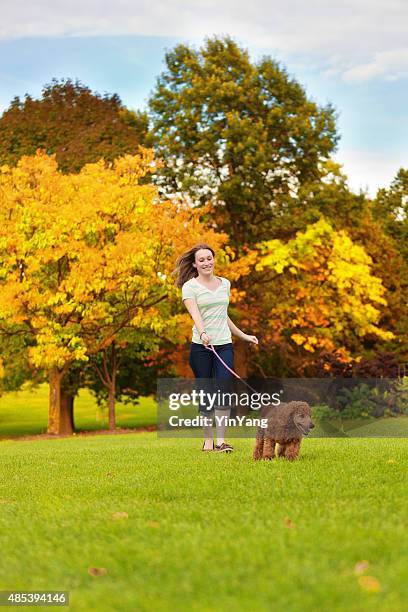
(205,364)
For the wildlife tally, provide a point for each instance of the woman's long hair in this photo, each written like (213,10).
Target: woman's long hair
(184,269)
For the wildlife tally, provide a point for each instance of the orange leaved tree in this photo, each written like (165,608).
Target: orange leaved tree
(85,257)
(322,296)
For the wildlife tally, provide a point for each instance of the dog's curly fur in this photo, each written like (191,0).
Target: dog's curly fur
(287,424)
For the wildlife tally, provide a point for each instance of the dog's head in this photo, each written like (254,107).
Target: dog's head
(301,416)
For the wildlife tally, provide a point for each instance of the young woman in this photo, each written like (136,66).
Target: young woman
(206,298)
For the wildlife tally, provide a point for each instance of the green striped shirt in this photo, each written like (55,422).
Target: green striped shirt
(213,306)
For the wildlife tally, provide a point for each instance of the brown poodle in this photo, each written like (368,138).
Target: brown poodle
(287,424)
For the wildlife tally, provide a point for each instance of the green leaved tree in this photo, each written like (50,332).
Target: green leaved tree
(241,133)
(390,207)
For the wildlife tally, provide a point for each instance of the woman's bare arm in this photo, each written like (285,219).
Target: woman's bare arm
(235,330)
(192,308)
(238,332)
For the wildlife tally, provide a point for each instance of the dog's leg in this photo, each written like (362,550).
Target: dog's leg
(292,450)
(281,449)
(268,449)
(258,450)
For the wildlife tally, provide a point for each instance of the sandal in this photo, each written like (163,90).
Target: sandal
(207,450)
(223,448)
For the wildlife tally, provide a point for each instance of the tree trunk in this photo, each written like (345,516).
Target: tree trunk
(67,403)
(107,373)
(112,388)
(111,405)
(61,405)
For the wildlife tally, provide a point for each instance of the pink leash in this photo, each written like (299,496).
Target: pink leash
(211,348)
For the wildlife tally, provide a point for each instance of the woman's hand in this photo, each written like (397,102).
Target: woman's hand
(249,338)
(206,339)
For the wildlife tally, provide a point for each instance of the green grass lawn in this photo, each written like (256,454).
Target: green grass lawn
(26,412)
(206,531)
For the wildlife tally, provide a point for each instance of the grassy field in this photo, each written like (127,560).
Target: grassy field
(26,412)
(167,526)
(206,531)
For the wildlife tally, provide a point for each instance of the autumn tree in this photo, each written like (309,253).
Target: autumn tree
(243,134)
(359,217)
(376,225)
(72,122)
(84,259)
(322,298)
(389,264)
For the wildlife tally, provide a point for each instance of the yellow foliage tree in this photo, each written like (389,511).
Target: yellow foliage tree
(84,257)
(322,295)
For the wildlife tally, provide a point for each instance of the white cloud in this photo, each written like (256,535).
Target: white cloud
(369,171)
(358,39)
(392,65)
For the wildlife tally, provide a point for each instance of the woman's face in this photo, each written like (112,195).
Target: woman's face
(204,262)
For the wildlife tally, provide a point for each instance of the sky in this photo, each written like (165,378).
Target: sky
(353,54)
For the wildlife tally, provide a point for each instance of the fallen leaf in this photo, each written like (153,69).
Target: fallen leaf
(6,501)
(391,461)
(361,567)
(369,584)
(110,474)
(118,516)
(288,523)
(97,571)
(153,524)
